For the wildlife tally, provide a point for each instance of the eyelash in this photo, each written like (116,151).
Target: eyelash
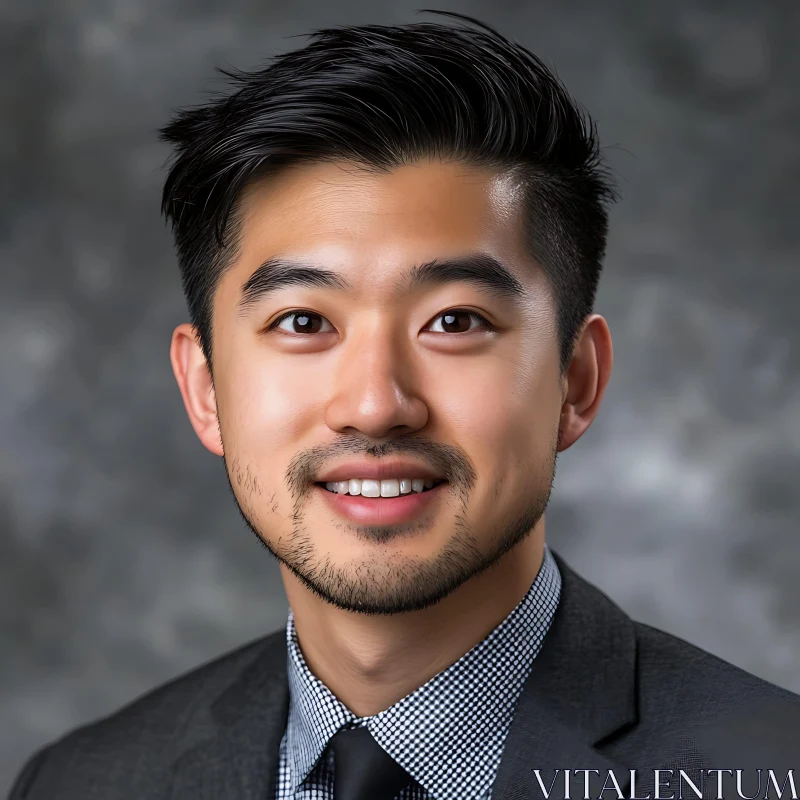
(298,311)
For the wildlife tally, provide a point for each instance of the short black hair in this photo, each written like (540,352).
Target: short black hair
(384,96)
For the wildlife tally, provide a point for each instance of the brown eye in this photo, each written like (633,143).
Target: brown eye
(300,322)
(457,320)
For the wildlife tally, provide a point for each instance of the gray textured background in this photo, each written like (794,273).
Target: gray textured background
(123,560)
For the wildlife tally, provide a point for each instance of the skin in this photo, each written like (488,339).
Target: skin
(380,611)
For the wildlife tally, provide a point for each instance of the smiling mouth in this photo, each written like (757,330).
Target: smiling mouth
(437,482)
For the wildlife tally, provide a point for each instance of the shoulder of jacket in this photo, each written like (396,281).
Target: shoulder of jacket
(145,730)
(681,686)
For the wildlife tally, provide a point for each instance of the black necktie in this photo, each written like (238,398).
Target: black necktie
(362,769)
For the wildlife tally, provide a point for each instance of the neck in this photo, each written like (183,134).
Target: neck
(370,662)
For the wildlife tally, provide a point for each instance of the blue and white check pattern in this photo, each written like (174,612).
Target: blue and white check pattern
(448,734)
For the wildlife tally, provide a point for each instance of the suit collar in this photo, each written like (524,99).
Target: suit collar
(579,692)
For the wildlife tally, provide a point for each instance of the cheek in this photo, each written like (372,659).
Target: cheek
(259,420)
(500,397)
(261,411)
(504,413)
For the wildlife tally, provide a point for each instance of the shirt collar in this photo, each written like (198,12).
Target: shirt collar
(457,734)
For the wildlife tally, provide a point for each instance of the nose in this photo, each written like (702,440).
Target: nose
(375,390)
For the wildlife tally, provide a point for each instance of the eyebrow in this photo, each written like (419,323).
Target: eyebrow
(479,269)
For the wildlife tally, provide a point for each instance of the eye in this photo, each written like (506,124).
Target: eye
(452,316)
(307,322)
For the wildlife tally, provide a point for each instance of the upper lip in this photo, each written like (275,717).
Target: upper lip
(379,470)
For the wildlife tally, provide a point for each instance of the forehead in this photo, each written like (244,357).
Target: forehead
(342,208)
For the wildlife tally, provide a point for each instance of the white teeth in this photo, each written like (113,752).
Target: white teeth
(372,488)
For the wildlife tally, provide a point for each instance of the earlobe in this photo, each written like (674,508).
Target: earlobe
(197,389)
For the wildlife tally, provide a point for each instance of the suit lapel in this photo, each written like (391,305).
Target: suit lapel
(238,758)
(579,692)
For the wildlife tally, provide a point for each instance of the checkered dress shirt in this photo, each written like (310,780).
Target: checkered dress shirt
(448,734)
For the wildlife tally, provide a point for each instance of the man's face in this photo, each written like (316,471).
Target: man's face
(380,371)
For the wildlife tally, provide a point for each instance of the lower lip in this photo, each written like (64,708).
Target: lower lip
(382,510)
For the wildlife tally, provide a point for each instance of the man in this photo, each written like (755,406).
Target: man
(390,243)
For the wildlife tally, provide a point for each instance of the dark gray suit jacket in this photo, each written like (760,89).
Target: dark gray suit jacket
(605,693)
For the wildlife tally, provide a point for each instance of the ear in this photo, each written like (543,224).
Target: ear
(197,389)
(586,380)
